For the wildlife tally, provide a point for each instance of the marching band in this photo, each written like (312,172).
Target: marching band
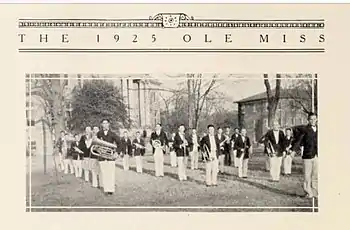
(94,154)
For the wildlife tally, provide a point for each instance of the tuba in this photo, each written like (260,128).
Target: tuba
(103,149)
(156,144)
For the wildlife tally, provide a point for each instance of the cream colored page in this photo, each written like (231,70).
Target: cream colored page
(328,64)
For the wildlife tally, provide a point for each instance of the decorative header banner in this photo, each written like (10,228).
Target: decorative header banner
(171,32)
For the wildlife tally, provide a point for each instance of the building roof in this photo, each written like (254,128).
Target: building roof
(285,94)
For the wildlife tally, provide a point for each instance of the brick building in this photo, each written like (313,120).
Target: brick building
(253,113)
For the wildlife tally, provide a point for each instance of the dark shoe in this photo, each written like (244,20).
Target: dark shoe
(245,177)
(208,185)
(215,185)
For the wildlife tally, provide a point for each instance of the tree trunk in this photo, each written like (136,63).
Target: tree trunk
(272,100)
(190,103)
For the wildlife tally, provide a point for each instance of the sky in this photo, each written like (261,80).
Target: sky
(234,87)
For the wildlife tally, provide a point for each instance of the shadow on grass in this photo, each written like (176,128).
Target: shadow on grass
(224,177)
(168,174)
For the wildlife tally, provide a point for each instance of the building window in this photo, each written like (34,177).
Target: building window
(254,108)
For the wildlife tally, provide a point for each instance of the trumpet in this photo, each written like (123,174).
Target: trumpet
(78,150)
(139,146)
(103,149)
(226,140)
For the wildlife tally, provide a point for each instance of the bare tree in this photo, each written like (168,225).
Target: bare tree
(50,94)
(198,91)
(272,100)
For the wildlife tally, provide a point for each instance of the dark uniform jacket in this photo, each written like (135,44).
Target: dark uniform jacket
(181,151)
(138,151)
(206,142)
(161,137)
(191,142)
(82,146)
(288,143)
(233,139)
(126,146)
(221,139)
(242,147)
(74,153)
(110,137)
(227,146)
(171,144)
(279,147)
(308,139)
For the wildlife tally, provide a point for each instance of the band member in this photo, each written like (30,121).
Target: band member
(274,142)
(159,141)
(235,135)
(181,145)
(60,144)
(77,155)
(308,139)
(221,139)
(288,158)
(210,145)
(68,161)
(126,150)
(194,149)
(139,151)
(95,130)
(228,147)
(267,160)
(85,145)
(172,151)
(107,166)
(244,149)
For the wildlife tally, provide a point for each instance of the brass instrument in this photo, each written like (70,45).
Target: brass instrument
(156,144)
(270,149)
(184,145)
(139,146)
(223,142)
(206,154)
(76,149)
(103,149)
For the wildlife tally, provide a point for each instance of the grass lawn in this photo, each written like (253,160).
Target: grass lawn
(146,190)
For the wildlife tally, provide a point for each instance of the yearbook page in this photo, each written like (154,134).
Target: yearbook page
(175,115)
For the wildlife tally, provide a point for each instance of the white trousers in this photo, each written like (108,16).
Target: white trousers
(211,172)
(287,164)
(95,171)
(60,161)
(267,163)
(235,159)
(194,159)
(108,175)
(126,164)
(182,165)
(86,168)
(311,176)
(275,167)
(78,168)
(221,163)
(243,166)
(138,164)
(173,159)
(159,162)
(68,166)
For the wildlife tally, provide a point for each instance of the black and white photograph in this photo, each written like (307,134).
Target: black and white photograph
(201,142)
